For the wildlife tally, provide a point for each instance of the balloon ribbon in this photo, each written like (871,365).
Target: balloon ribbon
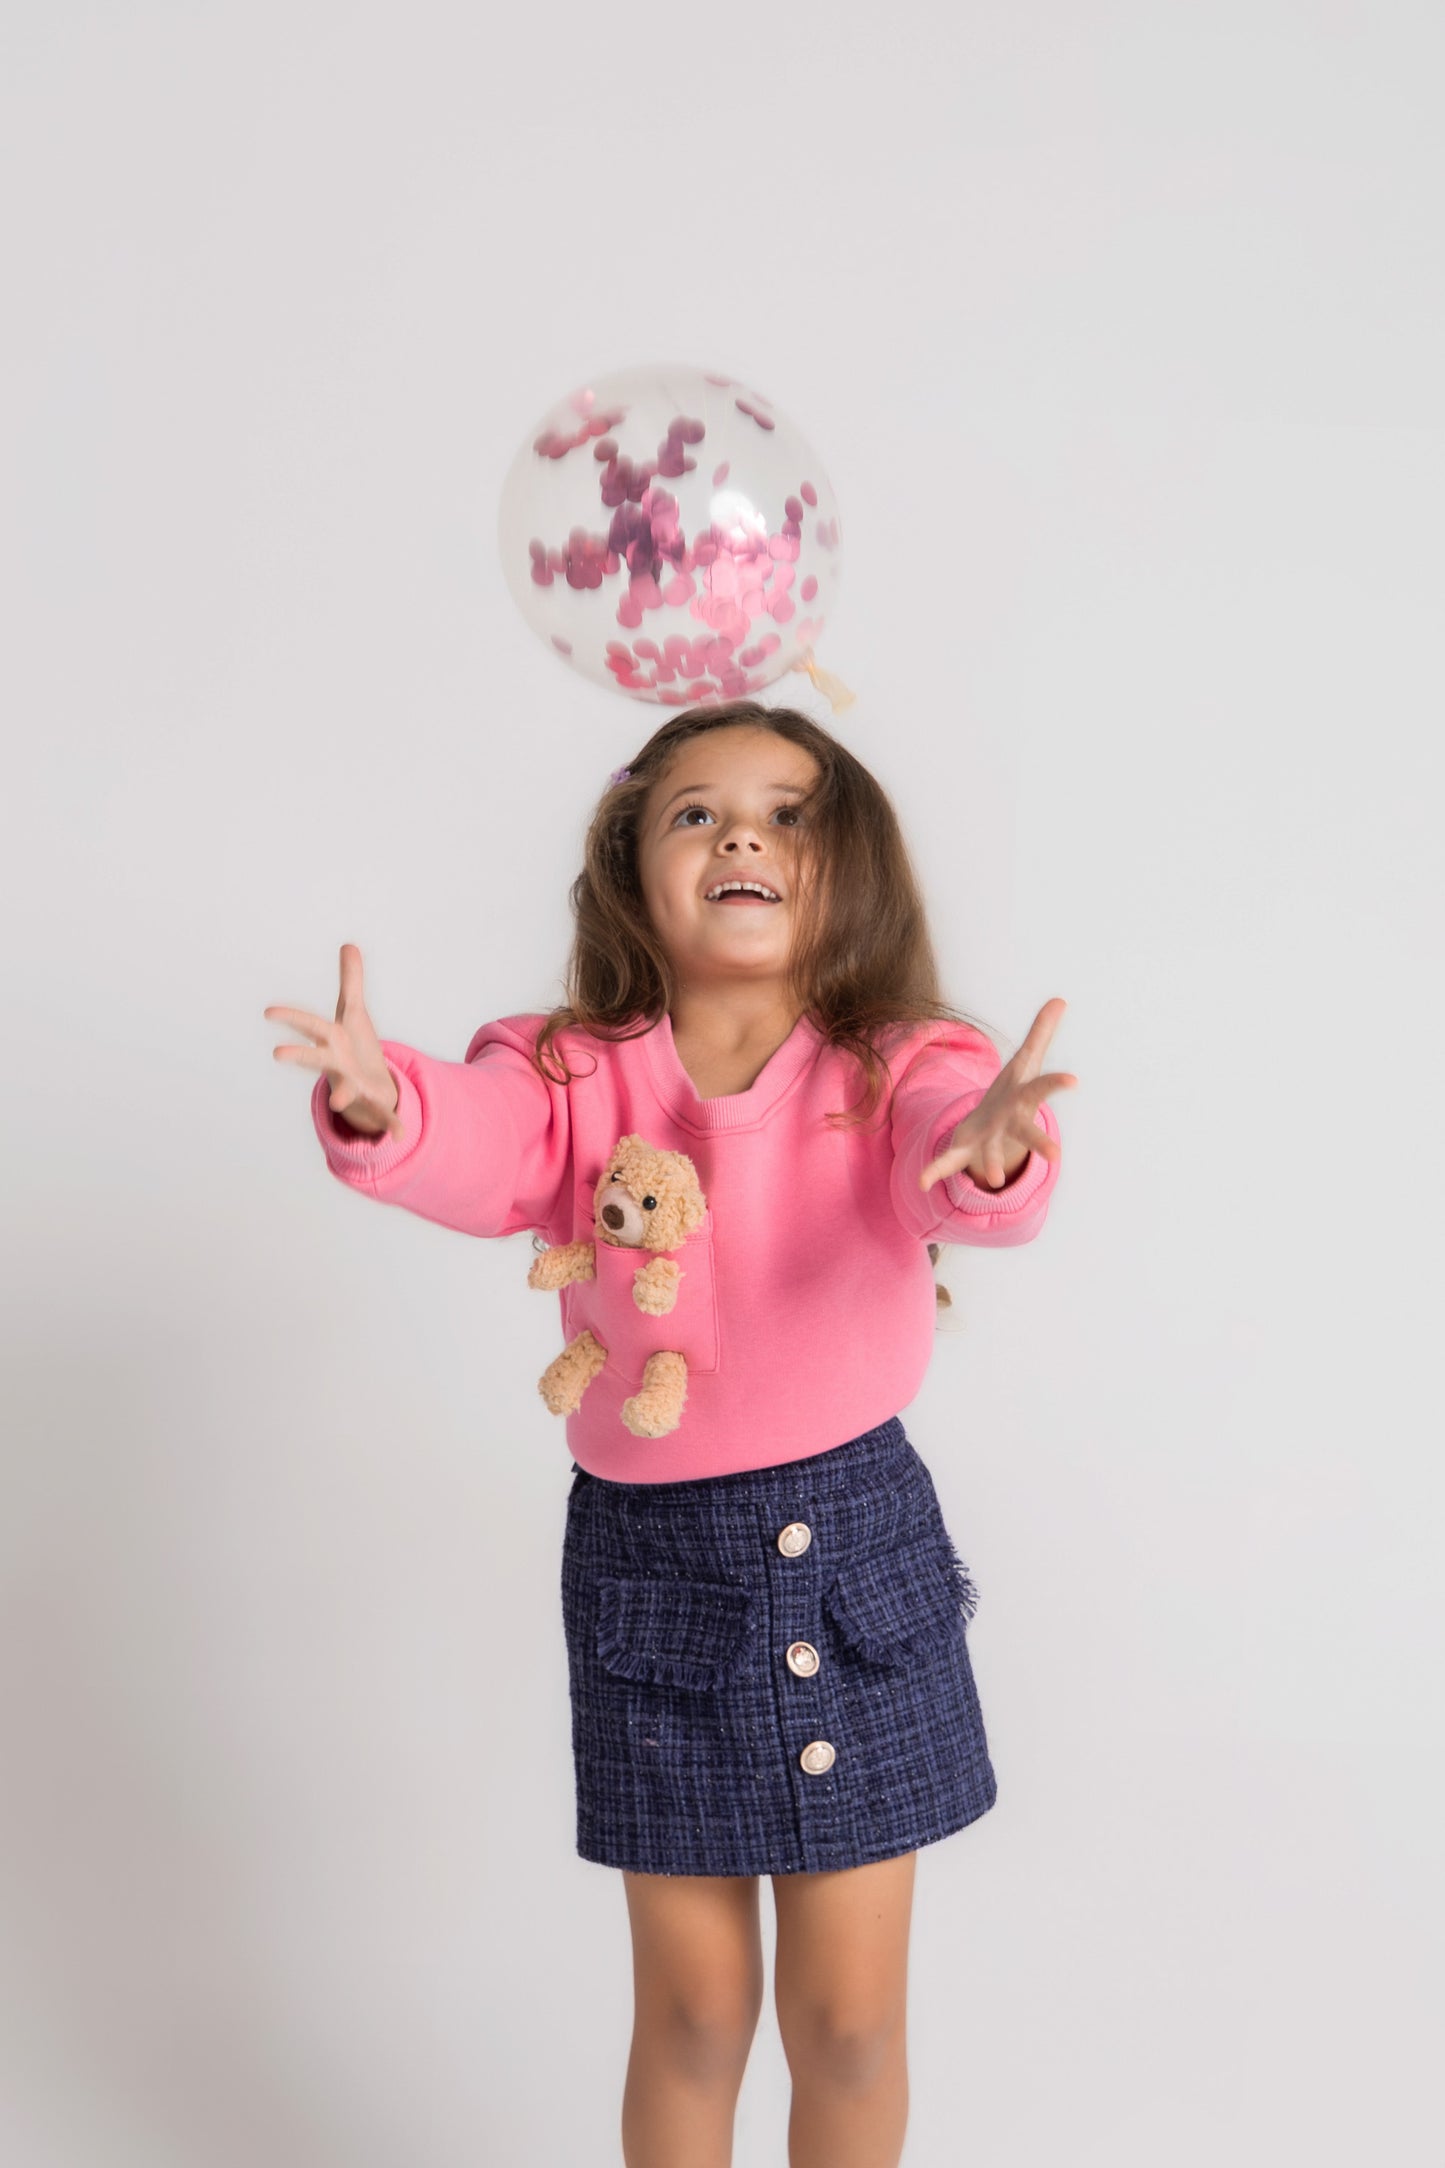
(833,688)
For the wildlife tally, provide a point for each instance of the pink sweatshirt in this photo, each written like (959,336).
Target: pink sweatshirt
(806,1310)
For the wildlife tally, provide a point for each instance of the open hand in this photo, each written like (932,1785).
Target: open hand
(363,1089)
(996,1138)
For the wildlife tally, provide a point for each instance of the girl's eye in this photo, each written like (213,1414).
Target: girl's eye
(695,806)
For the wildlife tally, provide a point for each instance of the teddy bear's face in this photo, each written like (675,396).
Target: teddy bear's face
(647,1199)
(622,1219)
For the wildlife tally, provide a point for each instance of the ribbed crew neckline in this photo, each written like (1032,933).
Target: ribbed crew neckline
(733,1110)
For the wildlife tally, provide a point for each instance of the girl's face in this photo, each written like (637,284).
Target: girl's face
(725,809)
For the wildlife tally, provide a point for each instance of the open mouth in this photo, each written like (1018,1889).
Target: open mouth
(746,896)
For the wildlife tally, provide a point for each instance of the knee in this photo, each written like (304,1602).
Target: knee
(706,2028)
(847,2048)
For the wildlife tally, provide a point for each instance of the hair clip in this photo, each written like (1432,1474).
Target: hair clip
(619,775)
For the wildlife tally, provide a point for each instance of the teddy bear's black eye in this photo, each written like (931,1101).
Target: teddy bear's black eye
(649,1204)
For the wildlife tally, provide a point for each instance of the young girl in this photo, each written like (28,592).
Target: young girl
(765,1616)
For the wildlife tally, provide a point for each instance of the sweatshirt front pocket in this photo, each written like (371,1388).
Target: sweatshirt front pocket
(606,1306)
(663,1632)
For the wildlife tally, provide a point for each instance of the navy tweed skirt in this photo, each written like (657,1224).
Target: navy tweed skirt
(769,1672)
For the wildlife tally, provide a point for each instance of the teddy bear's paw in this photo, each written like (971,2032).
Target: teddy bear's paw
(650,1415)
(567,1377)
(655,1288)
(656,1407)
(560,1389)
(560,1265)
(548,1269)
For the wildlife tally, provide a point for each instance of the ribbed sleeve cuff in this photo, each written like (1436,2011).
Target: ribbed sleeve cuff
(360,1159)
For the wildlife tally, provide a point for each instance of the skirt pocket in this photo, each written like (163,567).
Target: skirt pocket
(666,1720)
(905,1672)
(888,1604)
(665,1632)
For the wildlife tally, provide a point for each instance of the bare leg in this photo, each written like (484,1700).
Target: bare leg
(697,1968)
(841,1984)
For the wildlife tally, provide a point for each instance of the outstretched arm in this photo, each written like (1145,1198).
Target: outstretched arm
(482,1145)
(976,1146)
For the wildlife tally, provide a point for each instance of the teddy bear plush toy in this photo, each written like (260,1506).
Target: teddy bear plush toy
(647,1201)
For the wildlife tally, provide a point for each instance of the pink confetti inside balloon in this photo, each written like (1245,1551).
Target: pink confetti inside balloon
(658,528)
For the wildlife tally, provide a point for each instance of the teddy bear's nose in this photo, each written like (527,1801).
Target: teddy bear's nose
(612,1215)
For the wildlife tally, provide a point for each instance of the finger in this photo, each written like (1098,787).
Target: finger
(1039,1033)
(1039,1087)
(305,1057)
(391,1123)
(937,1170)
(320,1027)
(351,980)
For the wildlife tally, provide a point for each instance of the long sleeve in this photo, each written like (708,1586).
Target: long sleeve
(945,1081)
(485,1144)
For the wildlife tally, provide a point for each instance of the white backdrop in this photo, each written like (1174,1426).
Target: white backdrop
(1124,321)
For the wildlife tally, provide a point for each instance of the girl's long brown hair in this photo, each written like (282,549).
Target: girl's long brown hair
(862,962)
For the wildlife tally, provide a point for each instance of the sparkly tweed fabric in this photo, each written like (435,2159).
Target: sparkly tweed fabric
(742,1705)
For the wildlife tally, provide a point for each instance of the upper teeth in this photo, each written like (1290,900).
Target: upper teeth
(756,886)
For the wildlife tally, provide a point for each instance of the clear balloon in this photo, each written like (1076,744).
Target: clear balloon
(670,534)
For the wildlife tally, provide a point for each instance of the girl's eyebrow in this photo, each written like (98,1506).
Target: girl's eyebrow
(800,788)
